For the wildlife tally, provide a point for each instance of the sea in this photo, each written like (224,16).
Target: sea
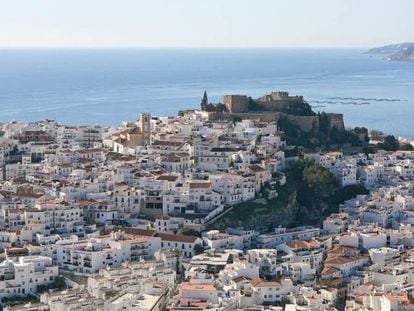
(107,86)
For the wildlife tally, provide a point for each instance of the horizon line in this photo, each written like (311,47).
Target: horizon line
(179,48)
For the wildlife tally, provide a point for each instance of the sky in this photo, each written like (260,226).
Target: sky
(205,23)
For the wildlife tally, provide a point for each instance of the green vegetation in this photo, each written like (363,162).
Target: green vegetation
(389,143)
(80,279)
(327,134)
(294,107)
(219,107)
(206,106)
(294,135)
(299,108)
(236,119)
(198,249)
(310,194)
(204,101)
(58,284)
(16,300)
(407,147)
(376,135)
(323,136)
(188,231)
(252,105)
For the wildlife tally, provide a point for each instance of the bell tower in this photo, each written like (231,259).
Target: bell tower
(145,127)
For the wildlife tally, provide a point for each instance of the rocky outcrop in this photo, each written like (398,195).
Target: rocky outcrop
(397,52)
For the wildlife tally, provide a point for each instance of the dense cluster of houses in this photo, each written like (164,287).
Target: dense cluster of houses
(121,215)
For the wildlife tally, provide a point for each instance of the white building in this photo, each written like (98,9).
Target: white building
(22,278)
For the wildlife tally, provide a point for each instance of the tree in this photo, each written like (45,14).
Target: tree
(252,105)
(58,283)
(204,101)
(390,143)
(369,150)
(407,147)
(376,135)
(236,119)
(198,249)
(362,133)
(189,231)
(318,179)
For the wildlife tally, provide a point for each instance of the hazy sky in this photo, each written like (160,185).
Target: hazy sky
(205,23)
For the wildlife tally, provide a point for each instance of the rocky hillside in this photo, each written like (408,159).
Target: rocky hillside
(310,194)
(397,52)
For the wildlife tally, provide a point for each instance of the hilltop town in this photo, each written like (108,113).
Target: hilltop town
(248,204)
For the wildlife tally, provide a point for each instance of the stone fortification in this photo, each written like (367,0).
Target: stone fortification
(262,116)
(236,103)
(274,106)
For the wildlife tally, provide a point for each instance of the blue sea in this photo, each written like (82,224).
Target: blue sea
(90,86)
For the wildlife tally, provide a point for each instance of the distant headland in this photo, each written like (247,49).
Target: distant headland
(396,52)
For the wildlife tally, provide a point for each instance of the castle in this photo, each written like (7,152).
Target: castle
(275,101)
(277,105)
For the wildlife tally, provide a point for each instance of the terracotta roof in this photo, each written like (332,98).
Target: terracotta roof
(200,185)
(136,231)
(200,287)
(342,250)
(340,260)
(177,237)
(92,150)
(167,143)
(257,168)
(167,177)
(303,244)
(85,160)
(240,279)
(135,130)
(329,270)
(258,282)
(402,297)
(29,195)
(334,283)
(163,218)
(199,304)
(16,250)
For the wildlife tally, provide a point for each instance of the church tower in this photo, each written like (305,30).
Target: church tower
(145,127)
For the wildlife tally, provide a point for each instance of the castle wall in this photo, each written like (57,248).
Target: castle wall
(279,96)
(305,123)
(236,103)
(336,120)
(276,105)
(262,116)
(271,106)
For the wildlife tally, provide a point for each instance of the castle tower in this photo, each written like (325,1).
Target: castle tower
(145,127)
